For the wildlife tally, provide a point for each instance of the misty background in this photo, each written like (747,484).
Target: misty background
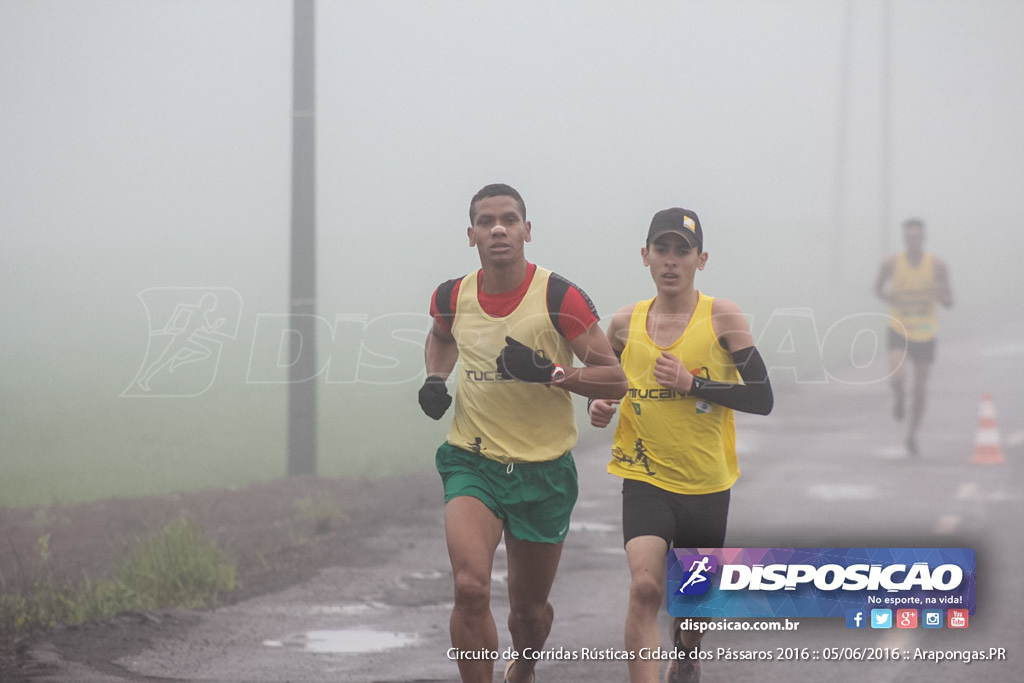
(146,161)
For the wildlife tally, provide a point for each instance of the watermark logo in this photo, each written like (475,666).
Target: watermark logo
(188,327)
(192,332)
(696,580)
(820,582)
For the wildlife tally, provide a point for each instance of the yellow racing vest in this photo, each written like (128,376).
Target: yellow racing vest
(913,313)
(507,420)
(678,443)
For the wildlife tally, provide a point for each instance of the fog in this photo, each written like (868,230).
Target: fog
(146,161)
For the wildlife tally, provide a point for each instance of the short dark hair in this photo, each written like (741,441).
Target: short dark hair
(496,190)
(913,222)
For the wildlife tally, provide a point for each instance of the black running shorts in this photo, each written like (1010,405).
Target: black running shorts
(920,352)
(684,521)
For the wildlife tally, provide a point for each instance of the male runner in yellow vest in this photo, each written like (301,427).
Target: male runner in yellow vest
(912,282)
(690,362)
(506,466)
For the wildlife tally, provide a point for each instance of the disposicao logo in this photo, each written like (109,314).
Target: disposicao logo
(696,580)
(818,582)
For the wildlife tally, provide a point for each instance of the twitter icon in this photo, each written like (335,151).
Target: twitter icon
(881,618)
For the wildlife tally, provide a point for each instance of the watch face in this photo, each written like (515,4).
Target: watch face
(557,374)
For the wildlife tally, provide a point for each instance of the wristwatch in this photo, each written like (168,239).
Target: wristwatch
(557,374)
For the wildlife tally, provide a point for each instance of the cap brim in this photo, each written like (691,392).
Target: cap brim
(690,237)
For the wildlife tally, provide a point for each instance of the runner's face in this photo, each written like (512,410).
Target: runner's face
(913,238)
(673,262)
(498,231)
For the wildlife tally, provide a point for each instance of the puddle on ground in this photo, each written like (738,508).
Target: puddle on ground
(345,641)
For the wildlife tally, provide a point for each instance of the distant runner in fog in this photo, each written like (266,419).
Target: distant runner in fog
(912,282)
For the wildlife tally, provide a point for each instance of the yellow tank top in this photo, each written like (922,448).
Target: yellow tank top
(913,314)
(678,443)
(506,420)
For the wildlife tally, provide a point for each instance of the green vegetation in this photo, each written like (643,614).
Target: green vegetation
(180,566)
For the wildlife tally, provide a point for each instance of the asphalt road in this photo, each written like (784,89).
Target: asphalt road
(826,469)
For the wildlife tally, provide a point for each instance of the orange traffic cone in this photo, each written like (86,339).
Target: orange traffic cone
(987,450)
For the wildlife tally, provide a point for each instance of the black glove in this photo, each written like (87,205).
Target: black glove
(518,361)
(434,398)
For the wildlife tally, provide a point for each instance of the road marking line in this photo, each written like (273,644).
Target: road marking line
(967,491)
(947,524)
(840,492)
(599,527)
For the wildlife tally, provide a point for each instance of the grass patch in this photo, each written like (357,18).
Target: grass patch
(180,566)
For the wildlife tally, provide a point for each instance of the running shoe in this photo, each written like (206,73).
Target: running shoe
(685,668)
(533,676)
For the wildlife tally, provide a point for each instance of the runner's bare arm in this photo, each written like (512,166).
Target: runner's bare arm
(618,328)
(601,411)
(441,352)
(943,290)
(884,275)
(730,325)
(601,375)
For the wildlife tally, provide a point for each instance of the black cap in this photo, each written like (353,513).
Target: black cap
(682,222)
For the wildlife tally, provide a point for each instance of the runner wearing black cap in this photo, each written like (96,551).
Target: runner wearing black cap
(690,361)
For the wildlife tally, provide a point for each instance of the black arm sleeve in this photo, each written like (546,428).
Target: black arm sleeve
(753,396)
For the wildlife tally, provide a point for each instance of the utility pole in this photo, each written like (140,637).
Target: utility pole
(302,427)
(886,171)
(842,127)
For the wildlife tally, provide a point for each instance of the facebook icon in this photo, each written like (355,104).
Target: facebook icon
(856,618)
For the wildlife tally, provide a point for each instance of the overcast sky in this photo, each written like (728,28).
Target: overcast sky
(167,124)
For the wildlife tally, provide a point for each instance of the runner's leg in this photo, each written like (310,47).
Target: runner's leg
(899,370)
(473,532)
(531,573)
(646,557)
(918,399)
